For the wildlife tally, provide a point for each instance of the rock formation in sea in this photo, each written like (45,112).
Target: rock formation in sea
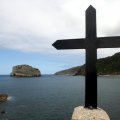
(25,71)
(3,97)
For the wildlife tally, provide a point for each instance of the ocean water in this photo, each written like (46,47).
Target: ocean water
(53,97)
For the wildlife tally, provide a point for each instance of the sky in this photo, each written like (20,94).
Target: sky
(29,27)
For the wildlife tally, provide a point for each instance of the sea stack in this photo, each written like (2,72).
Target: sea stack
(25,71)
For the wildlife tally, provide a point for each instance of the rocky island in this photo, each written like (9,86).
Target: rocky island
(25,71)
(105,66)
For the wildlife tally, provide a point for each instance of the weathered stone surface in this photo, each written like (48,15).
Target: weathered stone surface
(3,97)
(81,113)
(25,71)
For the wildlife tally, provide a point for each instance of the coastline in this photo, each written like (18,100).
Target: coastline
(108,75)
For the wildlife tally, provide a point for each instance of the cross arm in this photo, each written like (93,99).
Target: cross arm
(108,42)
(69,44)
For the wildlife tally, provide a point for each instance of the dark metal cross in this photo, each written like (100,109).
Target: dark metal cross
(90,43)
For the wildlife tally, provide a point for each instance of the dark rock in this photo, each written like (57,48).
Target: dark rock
(2,111)
(81,70)
(3,97)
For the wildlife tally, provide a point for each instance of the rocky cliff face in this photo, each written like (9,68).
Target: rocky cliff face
(25,71)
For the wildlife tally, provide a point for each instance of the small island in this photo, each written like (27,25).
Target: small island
(25,71)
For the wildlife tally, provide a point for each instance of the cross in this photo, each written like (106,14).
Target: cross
(90,43)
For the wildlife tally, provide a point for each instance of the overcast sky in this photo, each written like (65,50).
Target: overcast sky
(29,27)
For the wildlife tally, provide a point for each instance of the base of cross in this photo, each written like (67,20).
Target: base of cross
(82,113)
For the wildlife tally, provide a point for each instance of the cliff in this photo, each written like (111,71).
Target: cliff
(105,66)
(25,71)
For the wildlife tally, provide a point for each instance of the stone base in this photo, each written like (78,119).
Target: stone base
(81,113)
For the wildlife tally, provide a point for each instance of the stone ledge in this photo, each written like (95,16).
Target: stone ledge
(81,113)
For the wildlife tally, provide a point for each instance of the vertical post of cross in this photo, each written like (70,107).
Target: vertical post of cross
(91,58)
(90,43)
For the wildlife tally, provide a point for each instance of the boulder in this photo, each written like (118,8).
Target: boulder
(25,71)
(81,113)
(3,97)
(2,112)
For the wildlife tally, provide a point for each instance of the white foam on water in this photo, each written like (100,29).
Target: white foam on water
(10,98)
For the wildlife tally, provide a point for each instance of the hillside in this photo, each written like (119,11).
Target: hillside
(105,66)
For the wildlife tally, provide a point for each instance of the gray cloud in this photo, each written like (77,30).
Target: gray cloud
(33,25)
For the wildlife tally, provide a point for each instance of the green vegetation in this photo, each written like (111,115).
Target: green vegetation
(105,66)
(109,65)
(71,71)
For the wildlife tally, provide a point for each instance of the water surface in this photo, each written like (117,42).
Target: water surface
(54,97)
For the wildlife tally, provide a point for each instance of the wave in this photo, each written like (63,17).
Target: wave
(10,98)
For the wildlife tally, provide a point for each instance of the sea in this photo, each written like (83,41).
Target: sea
(52,97)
